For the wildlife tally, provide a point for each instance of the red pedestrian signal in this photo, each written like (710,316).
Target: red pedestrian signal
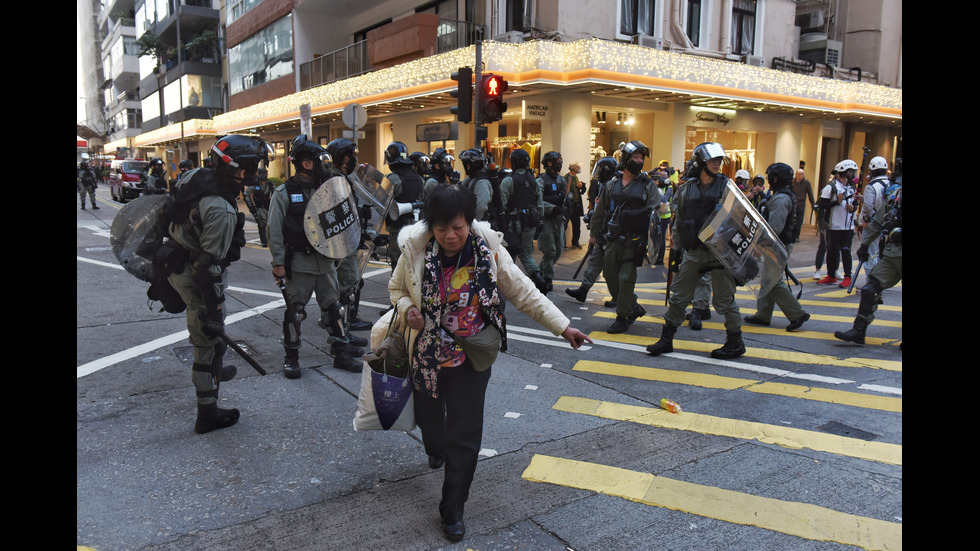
(492,104)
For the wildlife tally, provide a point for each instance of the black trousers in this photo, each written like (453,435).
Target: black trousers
(839,251)
(452,426)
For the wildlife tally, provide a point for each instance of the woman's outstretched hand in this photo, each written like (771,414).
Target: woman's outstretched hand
(575,337)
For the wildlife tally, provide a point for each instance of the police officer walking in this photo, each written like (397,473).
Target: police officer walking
(887,225)
(523,203)
(696,201)
(873,200)
(406,188)
(477,181)
(302,269)
(604,171)
(440,170)
(205,222)
(780,212)
(554,189)
(156,180)
(625,207)
(257,196)
(86,184)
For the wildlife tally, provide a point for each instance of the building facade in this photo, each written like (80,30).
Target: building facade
(583,78)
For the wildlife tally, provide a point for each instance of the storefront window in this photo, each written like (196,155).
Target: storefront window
(740,146)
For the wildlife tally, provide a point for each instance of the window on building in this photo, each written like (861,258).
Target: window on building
(743,27)
(694,22)
(636,17)
(519,14)
(238,8)
(263,57)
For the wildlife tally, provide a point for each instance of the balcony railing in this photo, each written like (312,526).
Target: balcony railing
(352,60)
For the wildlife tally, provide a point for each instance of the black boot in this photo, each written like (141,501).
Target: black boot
(211,417)
(290,365)
(353,304)
(638,312)
(855,334)
(539,282)
(619,326)
(666,342)
(228,373)
(578,294)
(703,313)
(342,358)
(732,348)
(694,321)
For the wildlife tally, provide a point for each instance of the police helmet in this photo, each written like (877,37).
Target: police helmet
(520,158)
(340,148)
(551,161)
(780,175)
(233,152)
(605,169)
(304,149)
(184,165)
(421,161)
(845,165)
(156,163)
(878,163)
(473,160)
(705,152)
(397,154)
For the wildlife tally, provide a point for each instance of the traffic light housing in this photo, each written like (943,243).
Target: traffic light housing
(463,94)
(492,97)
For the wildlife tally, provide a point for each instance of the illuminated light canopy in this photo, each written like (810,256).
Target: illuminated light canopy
(591,61)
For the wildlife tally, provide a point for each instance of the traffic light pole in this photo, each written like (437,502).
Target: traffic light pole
(480,132)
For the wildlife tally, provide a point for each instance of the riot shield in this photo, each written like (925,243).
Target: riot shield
(137,231)
(743,242)
(653,247)
(373,187)
(331,222)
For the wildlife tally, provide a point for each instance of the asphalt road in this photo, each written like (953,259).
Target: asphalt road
(794,446)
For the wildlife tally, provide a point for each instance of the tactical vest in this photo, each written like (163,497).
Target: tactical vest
(786,235)
(193,186)
(626,198)
(697,206)
(293,234)
(554,191)
(524,195)
(411,184)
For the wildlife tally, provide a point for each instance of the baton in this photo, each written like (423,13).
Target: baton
(584,258)
(251,361)
(795,281)
(855,278)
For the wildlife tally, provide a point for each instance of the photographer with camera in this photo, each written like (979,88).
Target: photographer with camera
(625,206)
(840,196)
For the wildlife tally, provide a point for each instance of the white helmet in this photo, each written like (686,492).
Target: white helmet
(846,164)
(878,163)
(744,174)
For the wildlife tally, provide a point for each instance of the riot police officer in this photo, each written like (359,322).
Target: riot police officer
(475,165)
(301,268)
(695,203)
(554,190)
(210,230)
(422,165)
(604,171)
(440,170)
(156,181)
(343,154)
(625,206)
(780,212)
(523,203)
(86,184)
(406,188)
(887,225)
(257,196)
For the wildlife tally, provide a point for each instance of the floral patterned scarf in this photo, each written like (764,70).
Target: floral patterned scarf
(425,372)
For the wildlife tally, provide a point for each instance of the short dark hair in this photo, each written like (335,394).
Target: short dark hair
(446,202)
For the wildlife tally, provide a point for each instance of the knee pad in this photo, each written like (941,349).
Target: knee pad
(290,334)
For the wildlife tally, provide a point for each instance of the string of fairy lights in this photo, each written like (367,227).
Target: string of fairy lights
(550,62)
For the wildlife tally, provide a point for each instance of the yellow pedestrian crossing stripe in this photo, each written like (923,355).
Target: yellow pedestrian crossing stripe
(704,380)
(787,437)
(750,352)
(798,519)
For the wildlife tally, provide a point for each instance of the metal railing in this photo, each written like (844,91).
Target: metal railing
(352,60)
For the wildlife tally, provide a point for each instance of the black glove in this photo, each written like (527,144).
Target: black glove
(862,253)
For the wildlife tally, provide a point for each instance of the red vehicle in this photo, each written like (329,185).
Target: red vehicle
(124,179)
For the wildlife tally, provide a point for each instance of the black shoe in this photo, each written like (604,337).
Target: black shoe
(454,532)
(619,326)
(638,312)
(357,342)
(357,324)
(95,207)
(795,324)
(609,304)
(290,368)
(666,342)
(344,360)
(851,335)
(733,347)
(694,322)
(756,320)
(703,313)
(436,461)
(211,417)
(578,294)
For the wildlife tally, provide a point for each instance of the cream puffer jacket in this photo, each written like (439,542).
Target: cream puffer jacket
(405,284)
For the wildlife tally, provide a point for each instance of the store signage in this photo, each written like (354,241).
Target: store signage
(713,116)
(536,110)
(437,131)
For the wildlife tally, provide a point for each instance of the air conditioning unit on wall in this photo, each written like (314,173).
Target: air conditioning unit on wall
(650,41)
(754,60)
(515,37)
(820,49)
